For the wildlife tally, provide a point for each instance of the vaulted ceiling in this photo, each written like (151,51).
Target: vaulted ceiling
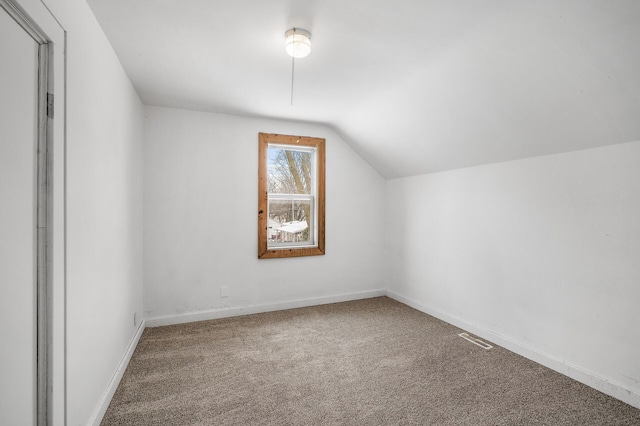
(415,86)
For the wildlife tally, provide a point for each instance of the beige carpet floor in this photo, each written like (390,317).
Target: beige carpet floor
(367,362)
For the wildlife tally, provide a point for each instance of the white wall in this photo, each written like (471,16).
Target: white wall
(542,254)
(200,218)
(103,210)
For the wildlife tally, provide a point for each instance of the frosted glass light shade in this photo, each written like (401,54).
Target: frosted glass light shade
(297,42)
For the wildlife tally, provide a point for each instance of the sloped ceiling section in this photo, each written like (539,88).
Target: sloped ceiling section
(415,86)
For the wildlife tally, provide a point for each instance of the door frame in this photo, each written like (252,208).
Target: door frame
(41,25)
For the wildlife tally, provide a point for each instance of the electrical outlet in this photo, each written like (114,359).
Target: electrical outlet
(224,291)
(135,319)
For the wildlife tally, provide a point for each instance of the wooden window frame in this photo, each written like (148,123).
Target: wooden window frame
(264,252)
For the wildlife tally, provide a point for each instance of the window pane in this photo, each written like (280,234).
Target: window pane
(289,222)
(290,171)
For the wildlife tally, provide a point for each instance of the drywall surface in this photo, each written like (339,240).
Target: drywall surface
(200,211)
(543,252)
(103,211)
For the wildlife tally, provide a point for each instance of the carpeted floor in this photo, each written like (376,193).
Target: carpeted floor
(367,362)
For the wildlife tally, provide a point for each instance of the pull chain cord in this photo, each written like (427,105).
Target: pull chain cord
(293,61)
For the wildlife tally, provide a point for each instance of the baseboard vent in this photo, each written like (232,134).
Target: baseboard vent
(475,341)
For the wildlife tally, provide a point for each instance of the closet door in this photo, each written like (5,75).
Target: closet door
(18,203)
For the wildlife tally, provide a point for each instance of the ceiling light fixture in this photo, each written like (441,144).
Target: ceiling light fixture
(297,42)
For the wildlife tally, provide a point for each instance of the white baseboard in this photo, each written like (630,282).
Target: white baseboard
(256,309)
(602,384)
(105,400)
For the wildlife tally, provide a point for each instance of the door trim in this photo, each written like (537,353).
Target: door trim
(42,236)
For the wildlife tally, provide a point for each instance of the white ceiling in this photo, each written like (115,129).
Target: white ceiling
(415,86)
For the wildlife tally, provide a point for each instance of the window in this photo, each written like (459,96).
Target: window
(290,196)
